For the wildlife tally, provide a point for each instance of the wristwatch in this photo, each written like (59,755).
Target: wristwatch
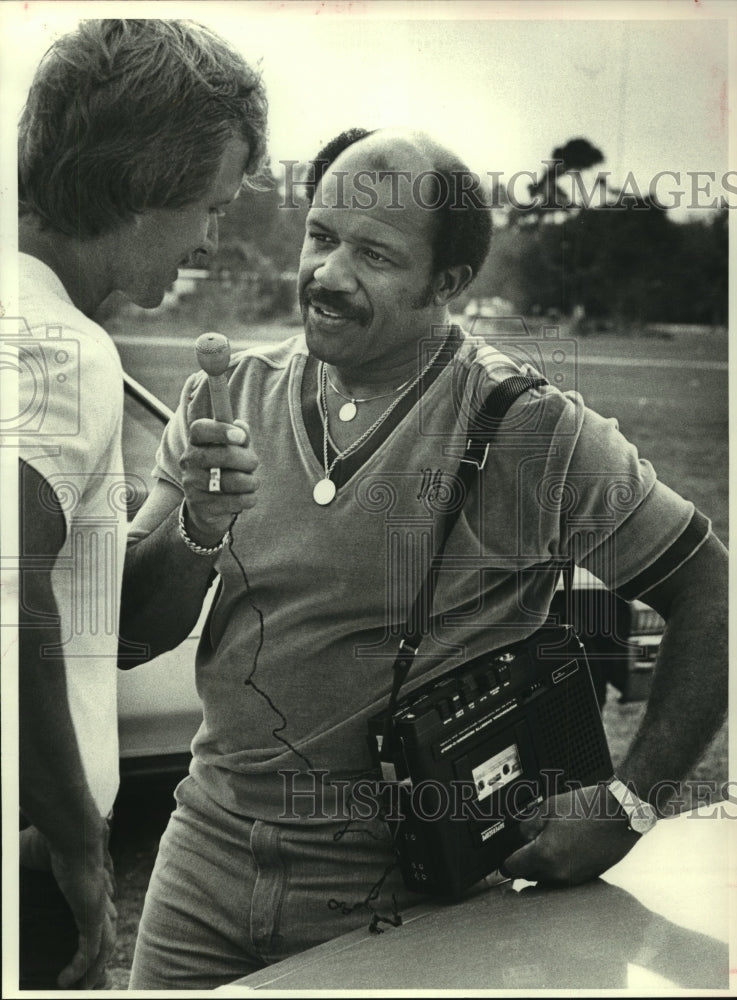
(641,815)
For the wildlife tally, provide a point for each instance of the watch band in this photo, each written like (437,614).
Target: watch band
(640,814)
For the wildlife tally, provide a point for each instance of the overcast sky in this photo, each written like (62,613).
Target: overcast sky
(647,83)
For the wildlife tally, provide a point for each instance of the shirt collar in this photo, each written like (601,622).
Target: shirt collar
(36,271)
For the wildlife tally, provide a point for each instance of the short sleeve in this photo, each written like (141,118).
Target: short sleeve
(616,518)
(661,506)
(79,418)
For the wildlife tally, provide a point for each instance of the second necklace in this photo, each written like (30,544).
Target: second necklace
(349,410)
(325,490)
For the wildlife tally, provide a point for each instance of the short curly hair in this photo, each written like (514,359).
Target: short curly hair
(126,115)
(462,229)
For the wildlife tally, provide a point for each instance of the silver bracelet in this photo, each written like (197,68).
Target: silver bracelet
(200,550)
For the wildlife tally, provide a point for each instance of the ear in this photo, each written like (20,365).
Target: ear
(450,283)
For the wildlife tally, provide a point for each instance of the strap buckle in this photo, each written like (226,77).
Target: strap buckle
(406,649)
(471,450)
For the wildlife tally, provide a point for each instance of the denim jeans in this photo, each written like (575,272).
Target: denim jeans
(229,895)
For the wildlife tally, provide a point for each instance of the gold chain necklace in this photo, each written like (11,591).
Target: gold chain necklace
(325,490)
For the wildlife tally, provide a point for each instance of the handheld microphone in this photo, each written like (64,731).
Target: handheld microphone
(213,355)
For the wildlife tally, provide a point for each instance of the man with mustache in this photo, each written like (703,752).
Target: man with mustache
(134,136)
(312,509)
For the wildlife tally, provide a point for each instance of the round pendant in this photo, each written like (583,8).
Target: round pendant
(347,412)
(324,492)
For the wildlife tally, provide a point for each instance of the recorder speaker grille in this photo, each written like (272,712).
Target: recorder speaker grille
(570,731)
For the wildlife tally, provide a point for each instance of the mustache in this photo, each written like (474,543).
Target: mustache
(334,302)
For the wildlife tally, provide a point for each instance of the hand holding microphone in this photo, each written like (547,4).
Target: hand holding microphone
(213,354)
(218,462)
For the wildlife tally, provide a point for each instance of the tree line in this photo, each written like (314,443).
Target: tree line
(630,262)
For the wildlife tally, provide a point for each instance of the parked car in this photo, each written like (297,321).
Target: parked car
(621,638)
(159,710)
(158,707)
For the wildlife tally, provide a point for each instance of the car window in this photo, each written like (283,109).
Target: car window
(142,431)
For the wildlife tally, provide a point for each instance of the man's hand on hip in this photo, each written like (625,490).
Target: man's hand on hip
(88,883)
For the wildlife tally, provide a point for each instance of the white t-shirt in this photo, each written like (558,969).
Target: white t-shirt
(70,425)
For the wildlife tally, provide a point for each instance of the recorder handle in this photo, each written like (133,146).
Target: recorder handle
(480,435)
(213,355)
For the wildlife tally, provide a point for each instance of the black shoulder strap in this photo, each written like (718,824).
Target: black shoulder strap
(482,427)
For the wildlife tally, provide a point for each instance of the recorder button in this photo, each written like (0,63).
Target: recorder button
(502,673)
(469,688)
(443,707)
(485,682)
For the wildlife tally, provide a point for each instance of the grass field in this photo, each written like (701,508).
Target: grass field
(668,390)
(665,387)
